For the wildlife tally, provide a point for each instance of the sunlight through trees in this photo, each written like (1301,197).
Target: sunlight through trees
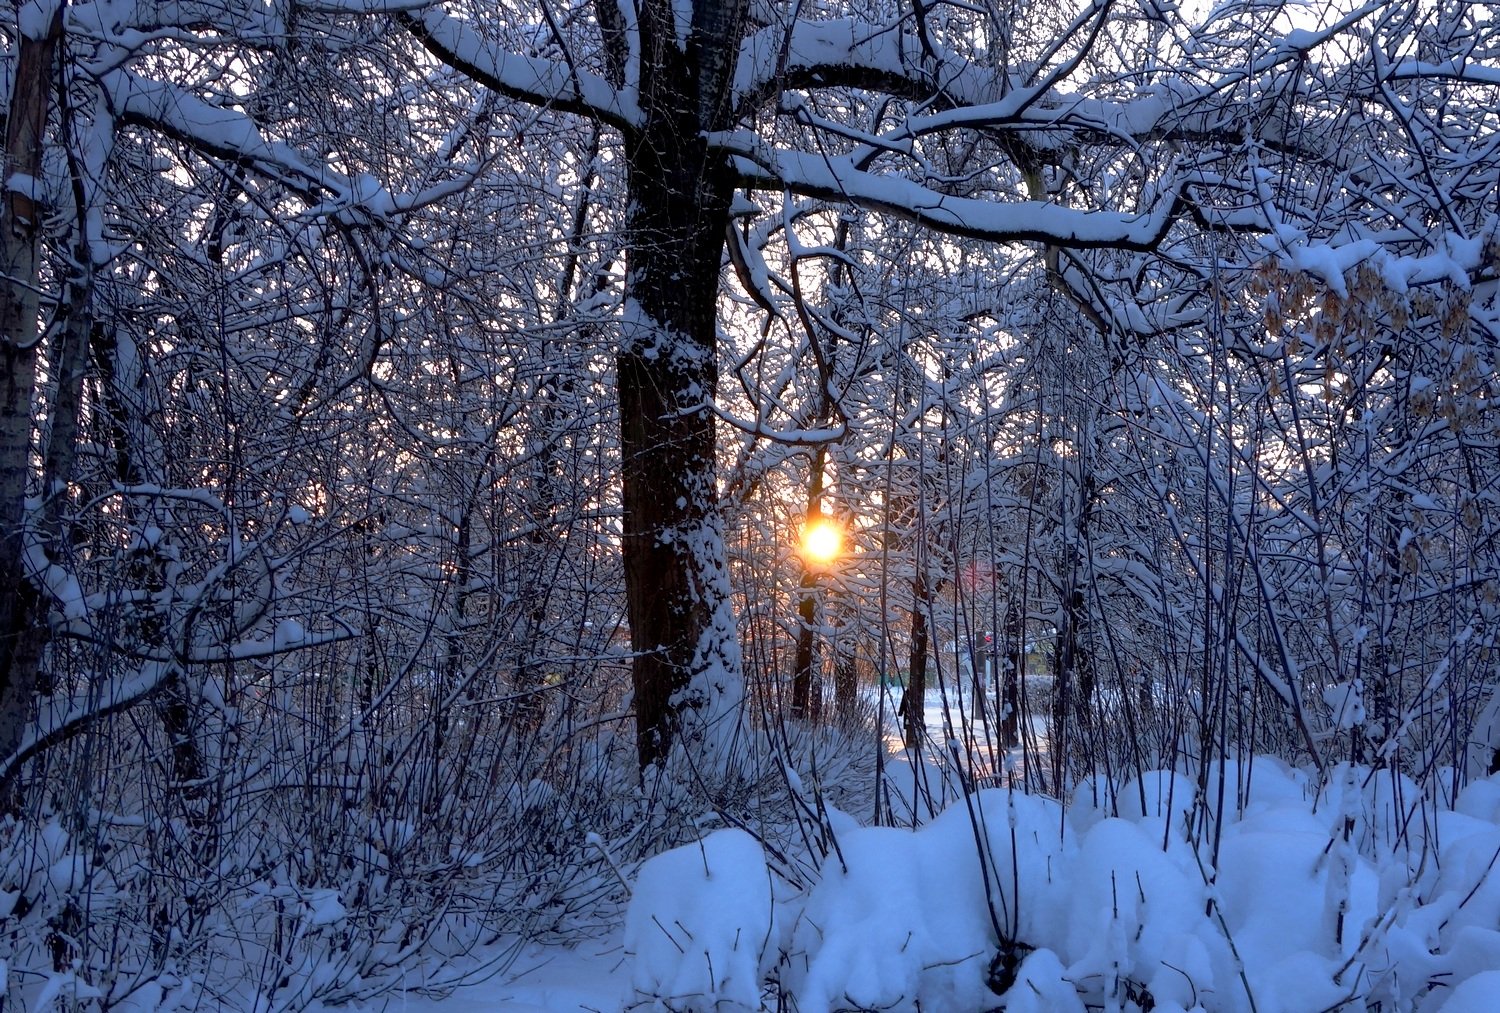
(413,413)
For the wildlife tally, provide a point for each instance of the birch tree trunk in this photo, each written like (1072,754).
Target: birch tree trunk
(20,305)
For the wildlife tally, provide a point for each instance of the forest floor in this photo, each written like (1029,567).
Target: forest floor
(589,978)
(1359,888)
(593,976)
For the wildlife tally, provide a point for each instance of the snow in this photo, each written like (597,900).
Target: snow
(34,17)
(1477,995)
(289,632)
(1245,885)
(589,978)
(1346,701)
(682,17)
(1457,67)
(1480,800)
(25,184)
(698,924)
(843,45)
(1159,794)
(61,586)
(900,917)
(323,907)
(1452,261)
(63,991)
(543,81)
(717,687)
(1042,986)
(215,127)
(1258,886)
(62,712)
(1310,899)
(1302,39)
(838,177)
(1329,263)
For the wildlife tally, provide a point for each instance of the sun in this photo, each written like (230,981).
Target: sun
(822,540)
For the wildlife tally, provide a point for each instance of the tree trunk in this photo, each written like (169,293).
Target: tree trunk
(806,693)
(1012,664)
(69,357)
(19,309)
(913,700)
(845,680)
(1071,707)
(686,673)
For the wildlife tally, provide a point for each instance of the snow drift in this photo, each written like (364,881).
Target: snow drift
(1286,896)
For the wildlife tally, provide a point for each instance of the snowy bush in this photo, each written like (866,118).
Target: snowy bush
(319,894)
(1303,900)
(937,899)
(699,925)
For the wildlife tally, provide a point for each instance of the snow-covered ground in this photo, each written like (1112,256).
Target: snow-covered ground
(1279,892)
(591,977)
(595,976)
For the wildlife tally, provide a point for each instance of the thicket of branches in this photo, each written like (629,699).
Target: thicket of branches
(1162,351)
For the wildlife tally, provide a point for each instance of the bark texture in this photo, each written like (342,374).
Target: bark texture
(686,668)
(20,306)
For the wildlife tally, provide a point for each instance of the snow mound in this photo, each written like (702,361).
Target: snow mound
(1477,995)
(908,920)
(1359,892)
(698,925)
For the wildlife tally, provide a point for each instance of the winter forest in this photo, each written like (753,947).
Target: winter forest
(921,505)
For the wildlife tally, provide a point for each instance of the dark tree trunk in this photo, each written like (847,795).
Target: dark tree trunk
(845,680)
(68,355)
(1012,662)
(686,669)
(1075,682)
(19,308)
(806,693)
(912,701)
(1072,706)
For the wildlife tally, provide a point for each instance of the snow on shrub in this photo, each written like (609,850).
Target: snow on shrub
(1294,897)
(1158,793)
(902,918)
(1481,799)
(699,922)
(1137,919)
(1365,894)
(898,917)
(1477,995)
(1260,782)
(1385,807)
